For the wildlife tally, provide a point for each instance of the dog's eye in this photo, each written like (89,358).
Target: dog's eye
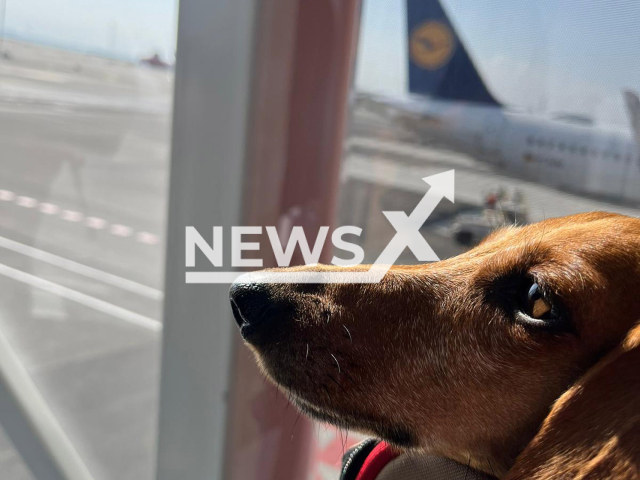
(529,302)
(535,309)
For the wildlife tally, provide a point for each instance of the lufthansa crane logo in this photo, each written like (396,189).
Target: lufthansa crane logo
(431,46)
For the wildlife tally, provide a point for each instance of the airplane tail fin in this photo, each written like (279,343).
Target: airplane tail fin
(633,108)
(439,65)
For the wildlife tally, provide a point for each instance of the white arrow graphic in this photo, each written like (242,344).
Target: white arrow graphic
(408,227)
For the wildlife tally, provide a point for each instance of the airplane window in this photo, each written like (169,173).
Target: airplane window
(583,151)
(572,149)
(616,157)
(562,147)
(529,140)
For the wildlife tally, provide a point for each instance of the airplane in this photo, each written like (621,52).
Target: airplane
(450,104)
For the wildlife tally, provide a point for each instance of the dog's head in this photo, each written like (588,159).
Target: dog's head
(464,357)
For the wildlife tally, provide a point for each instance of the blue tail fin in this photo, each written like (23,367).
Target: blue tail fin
(439,65)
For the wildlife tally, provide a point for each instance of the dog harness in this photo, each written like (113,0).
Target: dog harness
(376,460)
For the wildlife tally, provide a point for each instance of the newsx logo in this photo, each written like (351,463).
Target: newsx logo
(283,255)
(407,236)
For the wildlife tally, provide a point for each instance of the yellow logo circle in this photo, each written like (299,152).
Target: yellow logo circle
(431,45)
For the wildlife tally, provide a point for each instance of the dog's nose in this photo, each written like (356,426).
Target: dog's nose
(248,302)
(254,309)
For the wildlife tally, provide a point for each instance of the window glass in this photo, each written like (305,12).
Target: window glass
(85,108)
(11,464)
(422,107)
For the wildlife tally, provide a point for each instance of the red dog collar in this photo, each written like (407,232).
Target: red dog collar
(380,456)
(366,460)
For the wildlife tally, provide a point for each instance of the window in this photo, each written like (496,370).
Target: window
(86,100)
(85,120)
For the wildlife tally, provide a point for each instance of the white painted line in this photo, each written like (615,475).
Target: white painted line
(26,202)
(81,269)
(148,238)
(49,208)
(121,230)
(71,216)
(38,429)
(7,195)
(96,222)
(81,298)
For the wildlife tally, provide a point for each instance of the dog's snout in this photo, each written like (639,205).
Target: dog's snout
(254,309)
(248,302)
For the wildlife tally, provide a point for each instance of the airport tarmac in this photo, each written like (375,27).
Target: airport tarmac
(84,156)
(84,147)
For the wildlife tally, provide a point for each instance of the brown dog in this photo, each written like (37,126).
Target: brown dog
(521,356)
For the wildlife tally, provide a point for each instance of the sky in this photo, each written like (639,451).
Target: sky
(542,56)
(128,29)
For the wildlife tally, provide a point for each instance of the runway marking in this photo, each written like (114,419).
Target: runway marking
(148,238)
(95,222)
(71,216)
(121,230)
(7,195)
(49,208)
(81,298)
(74,216)
(26,202)
(80,269)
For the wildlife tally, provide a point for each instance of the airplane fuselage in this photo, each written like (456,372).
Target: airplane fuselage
(582,159)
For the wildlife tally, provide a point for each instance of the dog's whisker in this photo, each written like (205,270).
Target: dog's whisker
(294,425)
(345,440)
(348,332)
(337,363)
(468,468)
(306,357)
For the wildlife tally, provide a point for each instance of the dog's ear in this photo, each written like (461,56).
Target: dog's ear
(593,430)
